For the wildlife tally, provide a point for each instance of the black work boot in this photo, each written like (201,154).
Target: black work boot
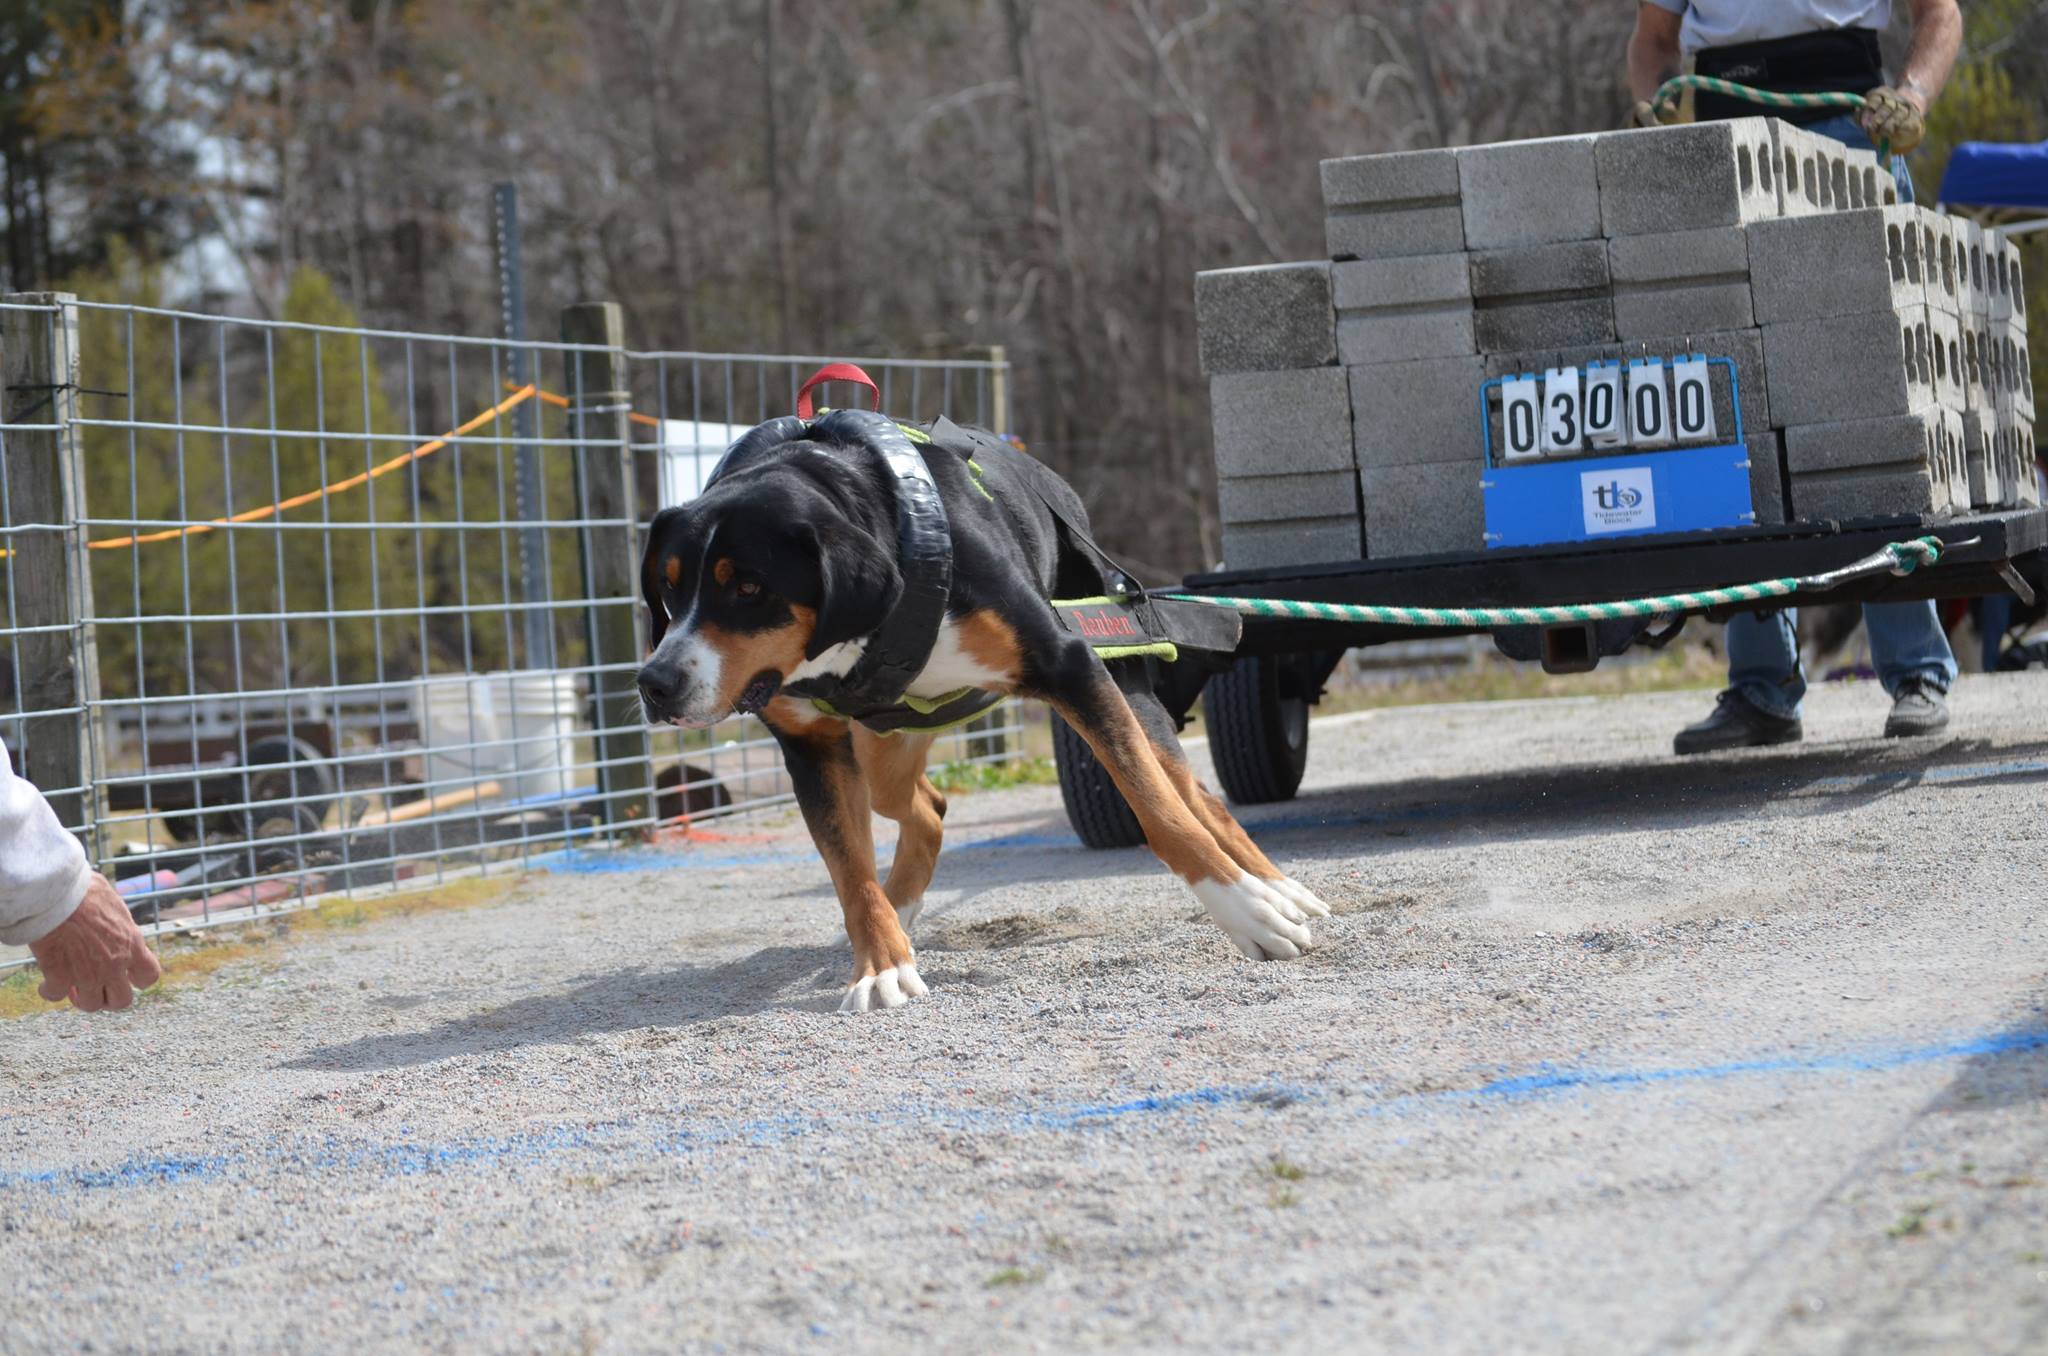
(1921,708)
(1737,723)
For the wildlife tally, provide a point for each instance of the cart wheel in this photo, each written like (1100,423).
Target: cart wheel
(1258,735)
(289,770)
(1095,808)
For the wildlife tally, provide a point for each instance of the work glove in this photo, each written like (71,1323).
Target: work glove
(1647,114)
(1896,118)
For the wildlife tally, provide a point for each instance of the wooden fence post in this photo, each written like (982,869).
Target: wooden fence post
(599,402)
(46,577)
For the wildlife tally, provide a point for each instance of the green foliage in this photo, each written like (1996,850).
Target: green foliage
(956,777)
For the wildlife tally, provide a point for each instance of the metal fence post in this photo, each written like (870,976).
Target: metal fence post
(999,390)
(599,403)
(52,586)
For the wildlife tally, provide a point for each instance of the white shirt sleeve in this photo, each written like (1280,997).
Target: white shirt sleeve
(43,871)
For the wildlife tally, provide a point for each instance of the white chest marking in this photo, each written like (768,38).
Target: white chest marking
(951,668)
(834,662)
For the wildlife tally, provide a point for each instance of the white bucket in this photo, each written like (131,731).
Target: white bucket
(511,728)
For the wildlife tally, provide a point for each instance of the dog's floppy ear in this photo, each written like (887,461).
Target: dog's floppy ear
(858,585)
(658,533)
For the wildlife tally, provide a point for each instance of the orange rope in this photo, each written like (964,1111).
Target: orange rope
(561,402)
(519,396)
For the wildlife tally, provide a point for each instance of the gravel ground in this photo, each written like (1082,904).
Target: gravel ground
(1601,1052)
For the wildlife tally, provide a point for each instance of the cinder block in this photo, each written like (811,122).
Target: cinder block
(1423,509)
(1279,423)
(1819,174)
(1315,541)
(1404,414)
(1849,367)
(1267,318)
(1938,261)
(1388,206)
(1985,451)
(1267,499)
(1970,269)
(1945,341)
(1542,296)
(1529,192)
(1840,263)
(1873,468)
(1766,478)
(1657,180)
(2025,467)
(1391,310)
(2016,367)
(1681,283)
(2003,283)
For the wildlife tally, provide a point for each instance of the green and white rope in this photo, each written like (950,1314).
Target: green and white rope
(1897,557)
(1665,100)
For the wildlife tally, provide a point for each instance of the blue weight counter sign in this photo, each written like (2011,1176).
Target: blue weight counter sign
(1626,492)
(1690,489)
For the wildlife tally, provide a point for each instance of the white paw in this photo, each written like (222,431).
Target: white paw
(1303,897)
(889,989)
(1265,924)
(907,915)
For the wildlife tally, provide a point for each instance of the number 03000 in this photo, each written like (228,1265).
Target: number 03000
(1646,403)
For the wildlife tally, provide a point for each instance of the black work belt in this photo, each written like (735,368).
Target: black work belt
(1826,61)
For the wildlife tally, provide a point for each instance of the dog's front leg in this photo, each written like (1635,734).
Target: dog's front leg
(834,800)
(1263,921)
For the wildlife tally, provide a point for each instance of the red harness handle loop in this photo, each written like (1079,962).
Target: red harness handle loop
(833,372)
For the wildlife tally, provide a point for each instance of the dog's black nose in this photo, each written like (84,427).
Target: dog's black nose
(659,685)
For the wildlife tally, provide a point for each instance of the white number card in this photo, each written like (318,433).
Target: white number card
(1649,414)
(1520,423)
(1561,430)
(1605,420)
(1692,399)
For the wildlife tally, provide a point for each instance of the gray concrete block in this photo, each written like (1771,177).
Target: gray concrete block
(1529,192)
(1423,509)
(2003,277)
(1849,367)
(1951,370)
(1944,290)
(1391,310)
(1985,451)
(1266,499)
(1680,283)
(1539,296)
(1387,206)
(1840,263)
(1766,478)
(2015,367)
(1313,541)
(1404,414)
(1818,174)
(1277,423)
(1970,269)
(1916,463)
(1657,180)
(1267,318)
(1977,389)
(2024,467)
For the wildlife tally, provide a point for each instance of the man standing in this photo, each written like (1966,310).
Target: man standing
(1807,47)
(63,911)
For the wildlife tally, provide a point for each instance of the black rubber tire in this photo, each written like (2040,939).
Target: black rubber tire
(1258,735)
(1096,809)
(282,769)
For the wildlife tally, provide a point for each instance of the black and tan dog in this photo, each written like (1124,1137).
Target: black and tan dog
(826,558)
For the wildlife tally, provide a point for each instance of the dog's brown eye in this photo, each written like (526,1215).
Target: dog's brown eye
(748,588)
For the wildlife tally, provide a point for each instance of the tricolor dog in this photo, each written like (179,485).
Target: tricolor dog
(855,582)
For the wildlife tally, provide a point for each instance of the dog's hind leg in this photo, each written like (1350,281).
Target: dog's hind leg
(1262,921)
(1206,804)
(893,767)
(834,798)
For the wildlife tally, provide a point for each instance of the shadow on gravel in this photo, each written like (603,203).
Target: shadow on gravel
(776,977)
(1602,798)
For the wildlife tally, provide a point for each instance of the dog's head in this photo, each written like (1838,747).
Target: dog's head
(767,572)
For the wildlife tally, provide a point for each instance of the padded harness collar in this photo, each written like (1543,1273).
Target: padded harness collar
(872,691)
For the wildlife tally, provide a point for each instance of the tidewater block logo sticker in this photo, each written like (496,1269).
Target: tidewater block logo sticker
(1620,500)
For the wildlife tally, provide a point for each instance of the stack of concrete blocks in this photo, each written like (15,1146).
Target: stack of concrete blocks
(1897,387)
(1751,240)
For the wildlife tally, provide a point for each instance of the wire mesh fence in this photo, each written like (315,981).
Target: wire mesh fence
(289,608)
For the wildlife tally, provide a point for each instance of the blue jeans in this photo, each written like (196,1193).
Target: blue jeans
(1906,639)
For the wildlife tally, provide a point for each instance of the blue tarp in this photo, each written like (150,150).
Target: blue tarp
(1997,174)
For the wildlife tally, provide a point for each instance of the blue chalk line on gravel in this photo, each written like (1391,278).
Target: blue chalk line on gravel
(406,1159)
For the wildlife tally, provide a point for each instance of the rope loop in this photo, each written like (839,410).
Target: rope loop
(1665,100)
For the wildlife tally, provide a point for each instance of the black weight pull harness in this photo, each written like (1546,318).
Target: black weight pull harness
(875,690)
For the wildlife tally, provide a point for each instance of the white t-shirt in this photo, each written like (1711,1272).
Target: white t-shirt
(1723,23)
(43,872)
